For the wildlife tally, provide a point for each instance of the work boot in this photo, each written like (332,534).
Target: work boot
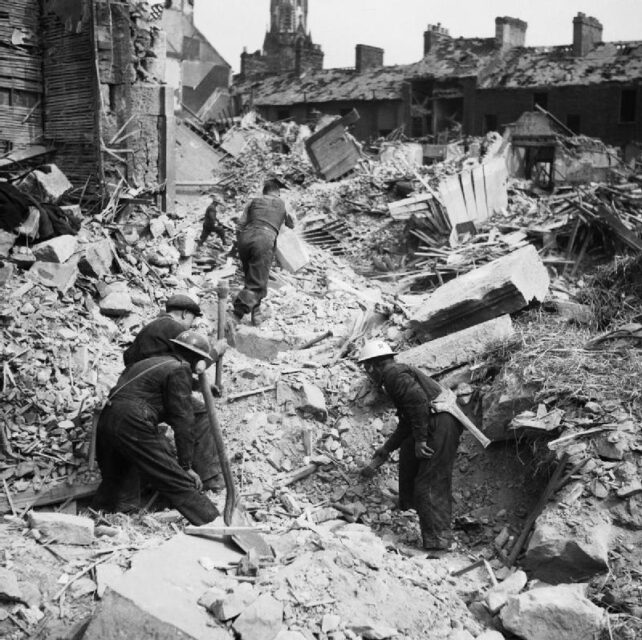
(259,316)
(438,543)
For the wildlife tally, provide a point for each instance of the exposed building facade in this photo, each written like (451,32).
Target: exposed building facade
(288,45)
(199,74)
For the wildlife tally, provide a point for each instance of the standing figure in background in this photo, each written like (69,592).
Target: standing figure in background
(211,223)
(258,230)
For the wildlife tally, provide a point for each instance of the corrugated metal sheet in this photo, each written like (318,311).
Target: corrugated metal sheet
(70,99)
(20,75)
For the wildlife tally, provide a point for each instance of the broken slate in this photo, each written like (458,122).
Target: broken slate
(9,588)
(233,604)
(262,620)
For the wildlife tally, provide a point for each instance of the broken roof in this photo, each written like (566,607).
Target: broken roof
(327,85)
(550,66)
(451,58)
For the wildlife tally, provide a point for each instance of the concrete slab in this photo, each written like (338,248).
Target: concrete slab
(164,585)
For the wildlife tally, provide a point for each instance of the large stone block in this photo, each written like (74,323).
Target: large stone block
(557,553)
(98,259)
(460,347)
(160,593)
(64,528)
(51,274)
(48,184)
(58,249)
(291,252)
(502,286)
(553,613)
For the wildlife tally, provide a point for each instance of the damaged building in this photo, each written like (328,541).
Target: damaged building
(82,85)
(200,75)
(469,86)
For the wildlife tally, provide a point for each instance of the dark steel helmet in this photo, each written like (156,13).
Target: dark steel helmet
(195,343)
(182,302)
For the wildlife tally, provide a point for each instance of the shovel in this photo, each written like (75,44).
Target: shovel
(233,513)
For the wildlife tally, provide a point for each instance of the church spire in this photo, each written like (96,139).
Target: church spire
(289,16)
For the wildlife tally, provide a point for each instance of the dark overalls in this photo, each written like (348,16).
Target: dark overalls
(212,225)
(424,484)
(257,243)
(155,339)
(130,440)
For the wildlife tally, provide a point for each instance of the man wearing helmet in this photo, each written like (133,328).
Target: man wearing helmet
(427,440)
(129,441)
(156,339)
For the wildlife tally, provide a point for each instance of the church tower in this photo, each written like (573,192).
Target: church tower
(289,16)
(288,46)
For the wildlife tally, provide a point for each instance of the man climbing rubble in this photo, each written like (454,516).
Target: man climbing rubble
(427,436)
(130,441)
(258,230)
(211,223)
(156,339)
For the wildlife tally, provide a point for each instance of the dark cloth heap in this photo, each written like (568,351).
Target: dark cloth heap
(130,440)
(262,220)
(424,484)
(14,210)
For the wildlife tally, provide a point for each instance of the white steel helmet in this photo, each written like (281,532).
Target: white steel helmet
(375,349)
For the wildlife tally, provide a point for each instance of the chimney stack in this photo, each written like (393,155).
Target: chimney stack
(367,57)
(432,35)
(587,32)
(510,32)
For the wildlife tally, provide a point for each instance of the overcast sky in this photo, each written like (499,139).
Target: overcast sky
(398,25)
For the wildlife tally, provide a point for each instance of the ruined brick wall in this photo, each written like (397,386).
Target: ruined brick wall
(133,125)
(598,108)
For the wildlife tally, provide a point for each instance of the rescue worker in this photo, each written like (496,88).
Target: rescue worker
(129,440)
(211,222)
(427,437)
(259,229)
(156,339)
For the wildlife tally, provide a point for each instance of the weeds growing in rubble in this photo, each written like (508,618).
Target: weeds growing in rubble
(551,355)
(614,291)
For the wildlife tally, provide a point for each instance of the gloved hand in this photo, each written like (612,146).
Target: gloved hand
(381,452)
(216,392)
(196,479)
(422,450)
(220,347)
(368,471)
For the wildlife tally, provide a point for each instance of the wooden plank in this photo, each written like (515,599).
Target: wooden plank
(451,195)
(54,495)
(496,178)
(479,186)
(469,195)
